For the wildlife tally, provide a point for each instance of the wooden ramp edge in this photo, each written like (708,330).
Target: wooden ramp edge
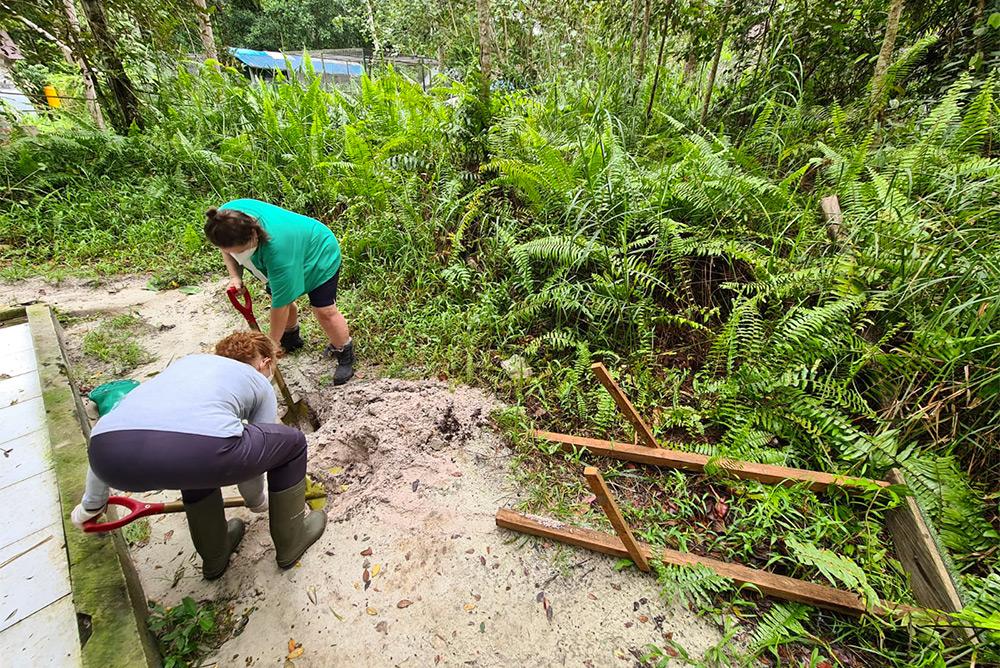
(107,594)
(677,459)
(777,586)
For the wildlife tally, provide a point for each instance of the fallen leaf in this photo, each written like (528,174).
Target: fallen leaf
(404,603)
(336,470)
(540,597)
(721,509)
(367,552)
(376,570)
(469,607)
(295,649)
(477,597)
(167,536)
(291,644)
(591,596)
(643,618)
(414,485)
(589,499)
(437,659)
(482,560)
(470,551)
(337,615)
(372,611)
(382,627)
(365,577)
(178,574)
(482,627)
(456,474)
(311,593)
(189,289)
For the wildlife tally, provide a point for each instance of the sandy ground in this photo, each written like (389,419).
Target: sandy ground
(412,569)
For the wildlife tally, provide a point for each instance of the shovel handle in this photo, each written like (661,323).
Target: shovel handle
(245,307)
(138,508)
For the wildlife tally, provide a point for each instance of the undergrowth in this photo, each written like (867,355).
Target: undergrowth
(696,265)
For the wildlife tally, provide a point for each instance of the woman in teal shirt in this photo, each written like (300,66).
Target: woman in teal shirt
(293,255)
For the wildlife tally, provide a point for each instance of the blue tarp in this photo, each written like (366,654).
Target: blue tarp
(274,60)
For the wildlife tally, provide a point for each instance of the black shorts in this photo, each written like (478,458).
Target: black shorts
(324,295)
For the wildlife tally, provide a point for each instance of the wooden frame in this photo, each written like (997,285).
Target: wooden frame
(912,535)
(779,586)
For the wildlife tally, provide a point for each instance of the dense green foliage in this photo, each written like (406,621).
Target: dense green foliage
(591,215)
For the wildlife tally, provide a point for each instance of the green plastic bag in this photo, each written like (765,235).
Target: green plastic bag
(109,395)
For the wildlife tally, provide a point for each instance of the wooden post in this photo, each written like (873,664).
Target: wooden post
(642,429)
(832,215)
(817,481)
(603,494)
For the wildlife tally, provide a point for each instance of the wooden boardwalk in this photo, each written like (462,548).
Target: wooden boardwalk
(38,625)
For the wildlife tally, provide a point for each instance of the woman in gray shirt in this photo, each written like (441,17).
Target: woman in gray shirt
(184,429)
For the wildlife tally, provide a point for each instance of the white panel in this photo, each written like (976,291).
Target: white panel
(28,506)
(49,637)
(19,388)
(15,339)
(34,574)
(24,457)
(21,419)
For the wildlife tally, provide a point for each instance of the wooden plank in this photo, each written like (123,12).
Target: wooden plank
(778,586)
(603,494)
(642,429)
(676,459)
(916,550)
(106,591)
(832,215)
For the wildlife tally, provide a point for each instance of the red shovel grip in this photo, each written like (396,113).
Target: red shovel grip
(138,509)
(245,307)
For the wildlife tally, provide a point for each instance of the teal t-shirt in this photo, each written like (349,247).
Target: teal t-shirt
(302,254)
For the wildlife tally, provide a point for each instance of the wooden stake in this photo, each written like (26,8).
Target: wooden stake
(778,586)
(676,459)
(642,430)
(603,494)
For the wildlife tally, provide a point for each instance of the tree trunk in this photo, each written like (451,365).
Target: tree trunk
(89,80)
(204,29)
(643,41)
(633,32)
(659,64)
(691,64)
(715,63)
(485,48)
(121,86)
(885,56)
(376,44)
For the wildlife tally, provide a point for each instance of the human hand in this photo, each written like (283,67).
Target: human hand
(236,283)
(81,515)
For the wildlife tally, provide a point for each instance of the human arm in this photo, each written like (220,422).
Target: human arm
(234,269)
(94,502)
(279,319)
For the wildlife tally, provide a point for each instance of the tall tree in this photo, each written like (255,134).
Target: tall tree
(643,42)
(885,57)
(715,61)
(89,79)
(485,48)
(204,29)
(121,86)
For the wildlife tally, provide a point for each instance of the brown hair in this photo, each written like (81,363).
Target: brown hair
(227,228)
(245,346)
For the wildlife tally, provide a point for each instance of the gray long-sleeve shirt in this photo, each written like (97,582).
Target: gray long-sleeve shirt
(207,395)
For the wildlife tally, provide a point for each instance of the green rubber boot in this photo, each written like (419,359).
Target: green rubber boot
(291,529)
(213,537)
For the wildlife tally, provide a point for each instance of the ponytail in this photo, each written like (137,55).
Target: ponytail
(227,228)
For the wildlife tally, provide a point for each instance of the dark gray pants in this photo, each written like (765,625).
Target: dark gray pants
(141,460)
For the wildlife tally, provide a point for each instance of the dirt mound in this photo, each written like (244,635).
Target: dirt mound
(383,439)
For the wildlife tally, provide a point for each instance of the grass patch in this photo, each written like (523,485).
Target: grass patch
(113,342)
(137,533)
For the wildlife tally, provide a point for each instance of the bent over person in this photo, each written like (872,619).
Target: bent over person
(293,255)
(184,429)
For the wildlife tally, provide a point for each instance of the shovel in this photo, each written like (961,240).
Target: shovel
(299,413)
(139,509)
